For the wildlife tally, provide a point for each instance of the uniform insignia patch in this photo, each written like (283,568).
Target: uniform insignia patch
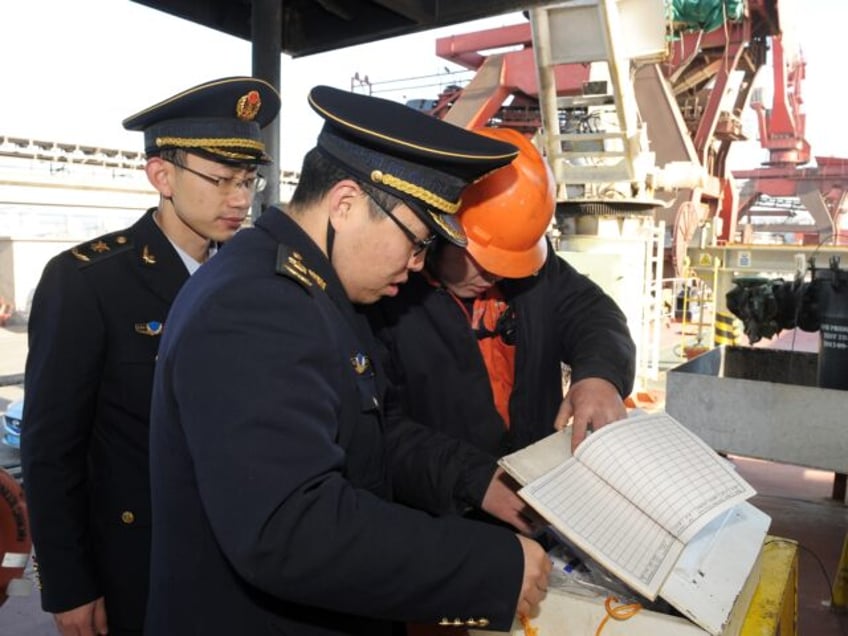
(100,249)
(147,257)
(361,363)
(79,255)
(293,272)
(295,260)
(318,280)
(152,328)
(290,263)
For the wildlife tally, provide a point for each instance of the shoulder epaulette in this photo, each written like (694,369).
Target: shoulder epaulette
(290,264)
(101,248)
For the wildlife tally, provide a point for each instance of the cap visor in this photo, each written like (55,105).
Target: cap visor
(445,225)
(448,227)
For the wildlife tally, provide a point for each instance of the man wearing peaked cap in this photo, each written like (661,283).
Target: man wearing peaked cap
(282,502)
(220,120)
(416,158)
(99,310)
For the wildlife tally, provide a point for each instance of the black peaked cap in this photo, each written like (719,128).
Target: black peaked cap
(220,120)
(420,159)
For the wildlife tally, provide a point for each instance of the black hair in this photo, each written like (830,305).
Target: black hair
(171,155)
(319,173)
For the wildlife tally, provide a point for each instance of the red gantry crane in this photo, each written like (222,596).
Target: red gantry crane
(821,189)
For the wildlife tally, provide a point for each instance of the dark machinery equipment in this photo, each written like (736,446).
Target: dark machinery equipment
(768,306)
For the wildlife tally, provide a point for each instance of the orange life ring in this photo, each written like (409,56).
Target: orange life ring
(15,539)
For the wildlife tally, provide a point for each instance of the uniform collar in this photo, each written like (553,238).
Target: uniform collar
(286,231)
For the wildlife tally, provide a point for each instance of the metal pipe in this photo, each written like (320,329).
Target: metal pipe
(266,25)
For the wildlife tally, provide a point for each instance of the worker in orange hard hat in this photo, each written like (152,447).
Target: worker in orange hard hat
(476,342)
(505,216)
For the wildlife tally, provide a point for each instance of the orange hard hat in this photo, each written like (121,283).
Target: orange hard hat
(506,213)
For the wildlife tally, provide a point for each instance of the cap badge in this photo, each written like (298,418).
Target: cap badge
(361,363)
(248,106)
(99,247)
(152,328)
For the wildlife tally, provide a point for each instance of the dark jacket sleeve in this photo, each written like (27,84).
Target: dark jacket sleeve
(430,470)
(66,344)
(433,471)
(593,335)
(271,474)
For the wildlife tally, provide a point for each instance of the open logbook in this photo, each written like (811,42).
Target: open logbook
(635,494)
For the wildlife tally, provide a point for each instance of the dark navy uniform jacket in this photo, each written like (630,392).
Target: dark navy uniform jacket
(271,480)
(94,330)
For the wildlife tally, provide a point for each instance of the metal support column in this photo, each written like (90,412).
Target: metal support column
(266,26)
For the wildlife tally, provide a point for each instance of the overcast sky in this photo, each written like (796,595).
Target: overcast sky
(72,70)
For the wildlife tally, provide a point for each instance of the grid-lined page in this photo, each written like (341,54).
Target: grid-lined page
(605,525)
(665,470)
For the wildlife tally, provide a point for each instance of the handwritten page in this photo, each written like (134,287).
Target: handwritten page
(606,526)
(665,470)
(632,495)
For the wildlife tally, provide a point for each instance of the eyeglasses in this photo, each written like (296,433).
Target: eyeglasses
(227,185)
(419,245)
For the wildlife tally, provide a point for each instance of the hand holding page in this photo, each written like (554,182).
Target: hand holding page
(634,493)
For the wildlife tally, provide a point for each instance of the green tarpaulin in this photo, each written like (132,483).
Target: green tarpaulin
(705,14)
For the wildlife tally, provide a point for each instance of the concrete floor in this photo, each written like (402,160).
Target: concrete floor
(800,505)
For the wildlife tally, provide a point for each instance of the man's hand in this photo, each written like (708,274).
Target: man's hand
(501,501)
(85,620)
(537,567)
(590,403)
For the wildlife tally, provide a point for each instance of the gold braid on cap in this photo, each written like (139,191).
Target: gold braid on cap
(430,198)
(232,156)
(437,218)
(214,145)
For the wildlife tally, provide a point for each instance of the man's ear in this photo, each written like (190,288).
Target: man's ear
(341,199)
(160,174)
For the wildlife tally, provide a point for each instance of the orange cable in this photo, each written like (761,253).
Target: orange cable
(620,613)
(529,629)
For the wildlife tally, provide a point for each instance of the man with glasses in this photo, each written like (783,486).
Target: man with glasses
(94,331)
(418,245)
(279,504)
(252,184)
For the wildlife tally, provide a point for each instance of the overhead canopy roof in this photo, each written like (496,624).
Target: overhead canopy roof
(313,26)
